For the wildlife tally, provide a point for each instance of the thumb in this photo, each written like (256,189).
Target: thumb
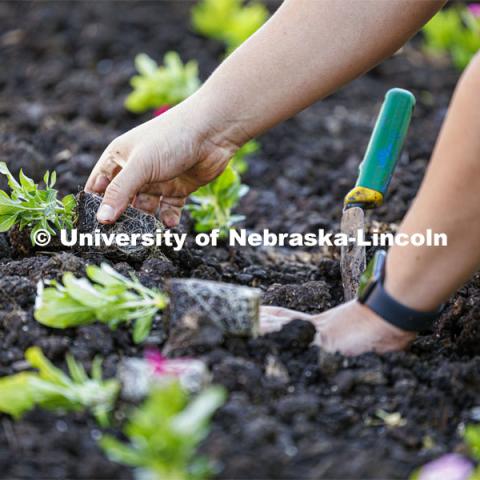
(120,192)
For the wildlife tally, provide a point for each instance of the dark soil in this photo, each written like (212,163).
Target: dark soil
(293,411)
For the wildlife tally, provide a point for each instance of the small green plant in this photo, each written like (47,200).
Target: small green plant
(165,432)
(238,161)
(28,206)
(456,32)
(52,389)
(111,299)
(164,85)
(472,439)
(229,21)
(213,203)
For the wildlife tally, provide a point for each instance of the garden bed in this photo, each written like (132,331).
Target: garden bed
(293,411)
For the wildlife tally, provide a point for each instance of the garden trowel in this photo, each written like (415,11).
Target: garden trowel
(375,173)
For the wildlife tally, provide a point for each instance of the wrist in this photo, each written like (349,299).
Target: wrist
(216,122)
(408,282)
(210,141)
(373,294)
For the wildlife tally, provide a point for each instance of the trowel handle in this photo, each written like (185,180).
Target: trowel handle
(384,149)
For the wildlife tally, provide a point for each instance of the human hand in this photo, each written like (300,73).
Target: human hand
(350,328)
(156,165)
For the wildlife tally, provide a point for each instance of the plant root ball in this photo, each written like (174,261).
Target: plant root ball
(234,309)
(131,222)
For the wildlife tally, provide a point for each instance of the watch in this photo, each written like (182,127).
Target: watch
(372,294)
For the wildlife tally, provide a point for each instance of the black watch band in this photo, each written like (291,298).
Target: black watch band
(397,314)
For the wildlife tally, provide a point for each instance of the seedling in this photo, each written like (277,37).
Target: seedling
(454,32)
(232,308)
(106,296)
(238,161)
(161,86)
(165,432)
(52,389)
(213,203)
(30,207)
(229,21)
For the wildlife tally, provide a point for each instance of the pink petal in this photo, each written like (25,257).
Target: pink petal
(162,365)
(161,110)
(474,9)
(448,467)
(156,360)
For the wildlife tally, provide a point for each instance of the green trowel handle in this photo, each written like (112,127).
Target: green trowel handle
(386,142)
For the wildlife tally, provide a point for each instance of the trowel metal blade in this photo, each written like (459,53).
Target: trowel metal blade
(353,260)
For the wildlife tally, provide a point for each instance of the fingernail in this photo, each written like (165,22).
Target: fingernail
(105,213)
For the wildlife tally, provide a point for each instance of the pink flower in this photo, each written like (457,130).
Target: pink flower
(162,365)
(448,467)
(161,110)
(156,360)
(474,9)
(156,369)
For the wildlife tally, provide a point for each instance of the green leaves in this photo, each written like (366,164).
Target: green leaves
(108,297)
(228,20)
(16,394)
(456,32)
(33,208)
(165,432)
(156,86)
(52,389)
(472,439)
(214,202)
(238,161)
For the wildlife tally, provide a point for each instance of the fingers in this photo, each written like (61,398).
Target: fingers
(170,210)
(169,201)
(146,202)
(284,312)
(269,324)
(97,184)
(112,160)
(124,173)
(120,192)
(273,319)
(172,200)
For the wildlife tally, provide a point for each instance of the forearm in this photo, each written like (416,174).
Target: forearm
(448,202)
(307,50)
